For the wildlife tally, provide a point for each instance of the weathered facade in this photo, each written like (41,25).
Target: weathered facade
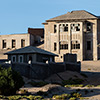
(77,32)
(16,41)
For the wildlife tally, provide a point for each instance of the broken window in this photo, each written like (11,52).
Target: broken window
(89,26)
(22,43)
(13,43)
(3,43)
(88,45)
(55,28)
(55,46)
(75,45)
(66,28)
(75,27)
(63,45)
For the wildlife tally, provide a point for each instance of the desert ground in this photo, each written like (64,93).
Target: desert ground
(90,91)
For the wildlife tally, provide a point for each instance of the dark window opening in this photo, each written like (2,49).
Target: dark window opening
(88,26)
(13,43)
(65,28)
(55,46)
(14,59)
(75,45)
(4,44)
(20,59)
(30,58)
(55,30)
(88,45)
(22,43)
(63,46)
(77,28)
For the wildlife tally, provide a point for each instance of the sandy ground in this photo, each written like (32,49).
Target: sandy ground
(90,68)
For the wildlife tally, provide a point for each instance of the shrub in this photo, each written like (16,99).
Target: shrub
(76,85)
(10,81)
(72,98)
(62,97)
(23,91)
(38,97)
(89,85)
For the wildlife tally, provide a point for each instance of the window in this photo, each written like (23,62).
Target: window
(63,46)
(66,28)
(75,27)
(55,28)
(13,43)
(13,59)
(20,58)
(88,45)
(75,45)
(89,27)
(55,46)
(3,43)
(22,43)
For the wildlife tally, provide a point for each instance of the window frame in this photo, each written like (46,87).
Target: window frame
(12,59)
(13,40)
(19,58)
(75,45)
(22,43)
(55,28)
(55,46)
(4,43)
(89,27)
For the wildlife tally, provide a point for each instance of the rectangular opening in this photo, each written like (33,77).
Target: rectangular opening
(3,43)
(20,58)
(75,45)
(55,46)
(66,28)
(55,30)
(89,27)
(63,46)
(88,45)
(13,43)
(22,43)
(13,59)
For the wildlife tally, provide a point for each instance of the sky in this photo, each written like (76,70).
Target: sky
(16,16)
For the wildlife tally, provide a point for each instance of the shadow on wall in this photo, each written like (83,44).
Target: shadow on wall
(42,70)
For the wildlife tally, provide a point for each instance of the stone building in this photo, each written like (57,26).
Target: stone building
(30,53)
(16,41)
(76,32)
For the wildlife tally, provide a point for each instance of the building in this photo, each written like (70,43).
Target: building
(30,53)
(76,32)
(15,41)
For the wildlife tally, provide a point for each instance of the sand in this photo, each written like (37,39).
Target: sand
(90,68)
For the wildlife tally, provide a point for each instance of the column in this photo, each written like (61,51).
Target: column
(69,37)
(81,40)
(95,51)
(58,39)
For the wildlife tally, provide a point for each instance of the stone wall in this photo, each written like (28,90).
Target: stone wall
(42,70)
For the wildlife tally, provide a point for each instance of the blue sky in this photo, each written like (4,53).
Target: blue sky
(17,15)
